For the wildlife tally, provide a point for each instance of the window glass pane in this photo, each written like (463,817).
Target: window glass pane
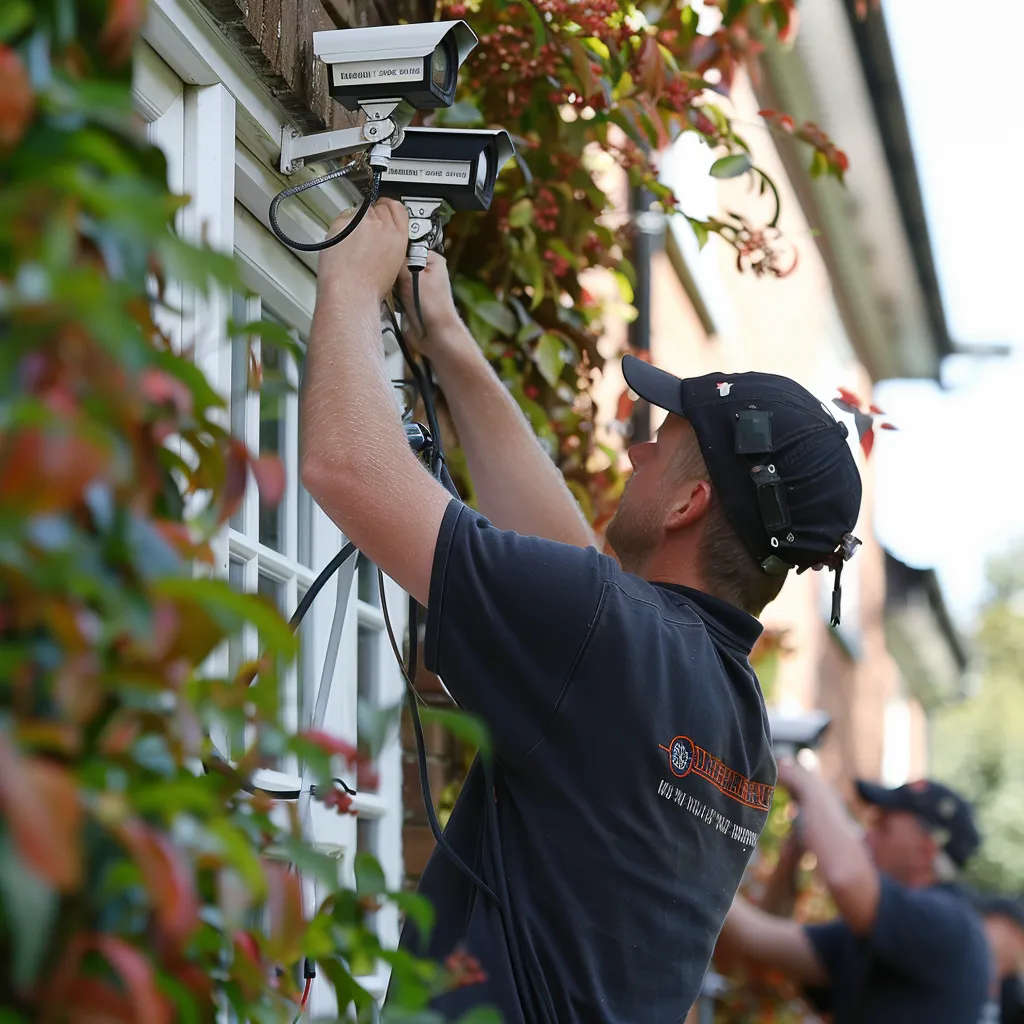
(236,656)
(273,590)
(368,679)
(304,550)
(239,383)
(369,589)
(309,675)
(368,841)
(272,407)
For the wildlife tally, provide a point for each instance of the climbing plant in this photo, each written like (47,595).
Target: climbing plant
(576,83)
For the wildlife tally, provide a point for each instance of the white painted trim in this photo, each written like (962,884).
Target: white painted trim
(187,38)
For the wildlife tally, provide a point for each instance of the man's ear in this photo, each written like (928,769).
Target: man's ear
(690,505)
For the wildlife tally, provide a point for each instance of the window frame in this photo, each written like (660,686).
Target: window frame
(229,127)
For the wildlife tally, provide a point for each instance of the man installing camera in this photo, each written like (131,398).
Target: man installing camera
(633,768)
(907,946)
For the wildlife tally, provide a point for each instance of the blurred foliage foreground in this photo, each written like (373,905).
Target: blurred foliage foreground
(130,878)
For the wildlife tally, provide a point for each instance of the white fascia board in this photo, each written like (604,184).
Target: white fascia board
(190,42)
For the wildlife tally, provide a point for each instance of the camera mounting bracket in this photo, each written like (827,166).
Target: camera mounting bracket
(383,129)
(426,220)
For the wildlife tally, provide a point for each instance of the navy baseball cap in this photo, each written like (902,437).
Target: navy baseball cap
(944,812)
(778,458)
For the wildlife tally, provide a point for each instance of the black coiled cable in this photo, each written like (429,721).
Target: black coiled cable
(347,230)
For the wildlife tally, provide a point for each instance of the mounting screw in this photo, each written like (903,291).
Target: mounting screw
(371,130)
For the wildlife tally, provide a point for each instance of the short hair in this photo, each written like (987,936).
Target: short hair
(728,569)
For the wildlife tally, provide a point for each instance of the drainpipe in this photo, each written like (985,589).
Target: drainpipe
(648,237)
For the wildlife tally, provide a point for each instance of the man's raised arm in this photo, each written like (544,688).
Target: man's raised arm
(518,486)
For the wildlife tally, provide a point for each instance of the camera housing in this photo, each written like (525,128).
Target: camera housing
(456,166)
(416,63)
(793,733)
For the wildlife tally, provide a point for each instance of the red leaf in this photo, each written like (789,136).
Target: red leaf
(850,397)
(162,388)
(887,426)
(167,878)
(332,745)
(124,20)
(40,802)
(791,21)
(875,410)
(867,441)
(137,974)
(236,476)
(270,478)
(287,922)
(48,470)
(625,407)
(90,1001)
(17,101)
(650,66)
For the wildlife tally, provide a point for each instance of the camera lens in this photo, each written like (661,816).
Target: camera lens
(444,68)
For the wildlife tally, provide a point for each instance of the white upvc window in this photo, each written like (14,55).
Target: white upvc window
(218,127)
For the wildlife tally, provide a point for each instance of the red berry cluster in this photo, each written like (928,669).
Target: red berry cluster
(558,265)
(337,799)
(465,969)
(678,95)
(594,17)
(812,134)
(545,210)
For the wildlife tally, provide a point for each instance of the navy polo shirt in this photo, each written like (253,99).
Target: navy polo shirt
(926,961)
(633,775)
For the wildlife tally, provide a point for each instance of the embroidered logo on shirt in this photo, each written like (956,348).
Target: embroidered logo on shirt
(724,387)
(685,757)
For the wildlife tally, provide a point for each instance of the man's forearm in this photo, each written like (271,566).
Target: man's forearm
(518,486)
(771,942)
(843,861)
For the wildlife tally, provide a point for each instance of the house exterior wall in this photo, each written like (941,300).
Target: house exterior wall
(789,326)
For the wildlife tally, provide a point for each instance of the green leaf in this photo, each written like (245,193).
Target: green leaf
(463,114)
(31,909)
(481,1015)
(521,213)
(232,610)
(549,356)
(700,232)
(471,729)
(730,166)
(540,32)
(417,909)
(15,16)
(369,875)
(240,853)
(819,164)
(374,724)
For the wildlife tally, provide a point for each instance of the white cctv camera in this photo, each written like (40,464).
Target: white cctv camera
(415,63)
(793,733)
(458,166)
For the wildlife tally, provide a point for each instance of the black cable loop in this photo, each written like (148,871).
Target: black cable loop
(347,230)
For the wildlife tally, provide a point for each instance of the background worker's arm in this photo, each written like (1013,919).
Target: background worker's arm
(517,485)
(771,942)
(780,890)
(843,861)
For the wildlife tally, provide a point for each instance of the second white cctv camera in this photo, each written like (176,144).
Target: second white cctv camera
(458,166)
(415,63)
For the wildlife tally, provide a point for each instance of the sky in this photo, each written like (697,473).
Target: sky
(951,480)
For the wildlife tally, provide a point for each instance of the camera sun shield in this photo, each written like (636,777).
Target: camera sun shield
(416,63)
(458,166)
